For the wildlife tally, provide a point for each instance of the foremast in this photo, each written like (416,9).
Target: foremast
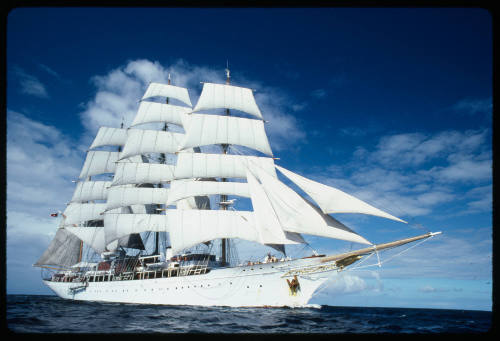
(223,197)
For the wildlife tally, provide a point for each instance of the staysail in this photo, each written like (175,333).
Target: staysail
(298,215)
(63,251)
(332,200)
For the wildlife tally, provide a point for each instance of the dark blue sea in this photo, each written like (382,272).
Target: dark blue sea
(50,314)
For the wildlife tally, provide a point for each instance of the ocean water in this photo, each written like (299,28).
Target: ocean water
(50,314)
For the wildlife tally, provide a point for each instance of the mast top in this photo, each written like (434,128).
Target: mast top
(227,72)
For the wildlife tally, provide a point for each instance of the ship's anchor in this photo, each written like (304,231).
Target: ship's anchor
(294,285)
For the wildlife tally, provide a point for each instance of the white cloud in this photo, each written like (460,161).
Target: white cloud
(452,255)
(318,93)
(413,173)
(29,84)
(465,170)
(41,162)
(118,93)
(346,284)
(49,71)
(352,131)
(474,106)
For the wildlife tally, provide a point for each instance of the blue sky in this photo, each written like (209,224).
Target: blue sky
(391,105)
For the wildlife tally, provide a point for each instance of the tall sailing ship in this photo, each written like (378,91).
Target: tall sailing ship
(157,186)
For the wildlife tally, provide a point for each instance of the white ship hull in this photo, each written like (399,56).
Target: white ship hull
(246,286)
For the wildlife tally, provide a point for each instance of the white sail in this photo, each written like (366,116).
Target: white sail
(77,213)
(125,196)
(268,225)
(168,91)
(140,173)
(100,162)
(107,136)
(188,228)
(141,141)
(298,215)
(92,236)
(214,96)
(152,112)
(119,225)
(205,130)
(181,189)
(332,200)
(90,190)
(199,165)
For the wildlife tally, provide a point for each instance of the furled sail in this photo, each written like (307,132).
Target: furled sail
(63,250)
(76,213)
(139,173)
(107,136)
(214,96)
(141,141)
(199,165)
(90,190)
(153,112)
(125,196)
(216,129)
(332,200)
(298,215)
(181,189)
(168,91)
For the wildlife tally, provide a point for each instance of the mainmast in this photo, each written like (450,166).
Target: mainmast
(223,198)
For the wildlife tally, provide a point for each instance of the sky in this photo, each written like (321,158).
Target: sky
(392,105)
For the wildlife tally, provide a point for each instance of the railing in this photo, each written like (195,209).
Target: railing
(109,275)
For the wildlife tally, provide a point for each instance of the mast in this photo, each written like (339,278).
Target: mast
(163,159)
(80,252)
(223,197)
